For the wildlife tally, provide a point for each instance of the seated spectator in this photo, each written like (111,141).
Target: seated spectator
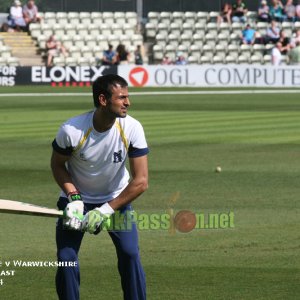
(273,33)
(109,56)
(30,13)
(295,39)
(248,35)
(239,11)
(138,56)
(290,11)
(264,12)
(277,11)
(54,48)
(276,55)
(15,19)
(298,11)
(122,55)
(285,43)
(294,55)
(225,15)
(166,61)
(180,59)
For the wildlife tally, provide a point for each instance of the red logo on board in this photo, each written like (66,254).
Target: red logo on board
(138,76)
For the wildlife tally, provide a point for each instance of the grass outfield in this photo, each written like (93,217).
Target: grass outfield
(254,138)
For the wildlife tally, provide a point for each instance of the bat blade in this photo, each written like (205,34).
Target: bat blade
(16,207)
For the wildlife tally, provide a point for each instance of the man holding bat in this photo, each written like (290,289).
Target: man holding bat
(88,163)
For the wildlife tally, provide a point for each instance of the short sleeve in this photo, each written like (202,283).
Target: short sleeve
(62,142)
(138,145)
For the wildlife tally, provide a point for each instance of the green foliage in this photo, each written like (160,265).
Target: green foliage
(254,138)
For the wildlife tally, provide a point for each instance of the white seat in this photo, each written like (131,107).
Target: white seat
(73,14)
(267,59)
(195,50)
(153,17)
(162,28)
(96,14)
(230,59)
(225,28)
(222,39)
(165,18)
(13,61)
(186,39)
(74,52)
(59,61)
(212,28)
(70,30)
(170,51)
(210,39)
(161,39)
(94,30)
(90,41)
(243,59)
(205,59)
(208,51)
(150,30)
(71,61)
(187,28)
(158,52)
(78,41)
(128,29)
(175,28)
(105,30)
(192,60)
(213,16)
(82,30)
(217,60)
(202,17)
(190,17)
(107,15)
(256,59)
(173,39)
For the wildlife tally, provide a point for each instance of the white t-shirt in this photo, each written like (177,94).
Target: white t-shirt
(97,164)
(276,56)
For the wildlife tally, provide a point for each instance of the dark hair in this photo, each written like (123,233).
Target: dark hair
(103,85)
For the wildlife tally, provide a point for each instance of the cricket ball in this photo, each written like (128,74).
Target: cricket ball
(185,221)
(218,169)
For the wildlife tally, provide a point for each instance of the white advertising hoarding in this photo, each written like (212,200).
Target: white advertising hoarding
(211,76)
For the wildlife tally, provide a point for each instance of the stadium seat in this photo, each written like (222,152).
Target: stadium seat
(113,40)
(198,39)
(199,28)
(262,28)
(58,30)
(107,15)
(237,28)
(90,41)
(86,20)
(258,49)
(96,15)
(116,29)
(13,61)
(150,30)
(212,28)
(222,39)
(170,51)
(183,49)
(162,28)
(41,41)
(73,15)
(158,52)
(102,41)
(211,39)
(195,51)
(220,51)
(202,17)
(161,39)
(192,60)
(246,50)
(70,30)
(71,61)
(243,59)
(74,52)
(233,50)
(46,29)
(287,27)
(175,28)
(190,17)
(86,52)
(225,28)
(128,29)
(78,41)
(177,17)
(256,59)
(186,39)
(187,28)
(267,59)
(235,39)
(153,17)
(173,39)
(251,17)
(82,30)
(165,18)
(59,61)
(217,60)
(205,60)
(213,16)
(208,51)
(230,59)
(93,29)
(131,18)
(125,40)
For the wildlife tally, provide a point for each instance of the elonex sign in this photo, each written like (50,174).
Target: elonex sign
(68,74)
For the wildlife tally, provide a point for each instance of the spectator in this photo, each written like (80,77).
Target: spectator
(180,59)
(16,19)
(30,13)
(166,61)
(273,33)
(296,39)
(248,35)
(138,56)
(109,56)
(277,11)
(290,11)
(285,43)
(264,12)
(122,55)
(276,54)
(225,15)
(294,55)
(239,11)
(298,10)
(54,48)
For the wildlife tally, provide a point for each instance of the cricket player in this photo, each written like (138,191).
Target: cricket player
(88,163)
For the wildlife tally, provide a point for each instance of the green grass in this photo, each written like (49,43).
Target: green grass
(256,140)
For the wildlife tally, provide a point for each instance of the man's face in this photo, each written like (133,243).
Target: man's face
(119,102)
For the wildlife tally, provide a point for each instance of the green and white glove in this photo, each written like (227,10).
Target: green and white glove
(73,213)
(97,219)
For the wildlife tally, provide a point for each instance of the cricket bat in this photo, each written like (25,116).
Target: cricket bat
(16,207)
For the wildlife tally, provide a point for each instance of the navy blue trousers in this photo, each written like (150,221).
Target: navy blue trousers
(129,265)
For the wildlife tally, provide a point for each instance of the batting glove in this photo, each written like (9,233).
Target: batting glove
(97,219)
(73,213)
